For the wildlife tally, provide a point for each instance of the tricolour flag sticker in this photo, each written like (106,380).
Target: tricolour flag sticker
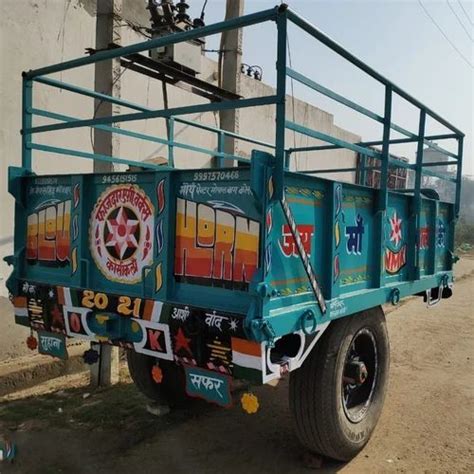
(247,357)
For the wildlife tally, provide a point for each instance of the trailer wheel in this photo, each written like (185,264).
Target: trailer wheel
(172,388)
(336,397)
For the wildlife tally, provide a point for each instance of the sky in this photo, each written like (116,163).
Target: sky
(396,38)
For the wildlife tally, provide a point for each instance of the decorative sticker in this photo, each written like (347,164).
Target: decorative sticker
(287,241)
(215,243)
(48,236)
(424,238)
(396,253)
(441,234)
(76,195)
(156,341)
(121,233)
(160,195)
(210,386)
(354,235)
(52,344)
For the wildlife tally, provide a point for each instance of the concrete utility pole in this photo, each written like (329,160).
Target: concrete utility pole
(107,78)
(231,43)
(107,81)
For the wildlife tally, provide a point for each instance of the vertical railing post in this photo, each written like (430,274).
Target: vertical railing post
(457,202)
(287,160)
(26,122)
(282,25)
(220,149)
(363,172)
(382,197)
(415,218)
(171,142)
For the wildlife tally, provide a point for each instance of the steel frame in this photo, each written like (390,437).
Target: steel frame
(281,16)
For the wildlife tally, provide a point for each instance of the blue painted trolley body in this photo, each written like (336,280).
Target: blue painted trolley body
(236,271)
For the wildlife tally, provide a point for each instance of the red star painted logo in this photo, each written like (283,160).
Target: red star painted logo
(396,229)
(122,231)
(57,321)
(182,342)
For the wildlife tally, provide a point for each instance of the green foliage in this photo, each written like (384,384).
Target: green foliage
(467,200)
(464,232)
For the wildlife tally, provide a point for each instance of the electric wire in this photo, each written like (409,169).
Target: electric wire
(459,20)
(465,13)
(203,11)
(446,37)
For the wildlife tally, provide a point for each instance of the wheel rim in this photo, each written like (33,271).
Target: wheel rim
(359,377)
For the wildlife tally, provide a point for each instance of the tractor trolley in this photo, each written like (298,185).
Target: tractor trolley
(245,270)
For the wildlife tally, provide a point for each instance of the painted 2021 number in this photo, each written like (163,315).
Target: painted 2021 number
(126,305)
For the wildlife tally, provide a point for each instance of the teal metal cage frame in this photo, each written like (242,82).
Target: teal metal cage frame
(281,16)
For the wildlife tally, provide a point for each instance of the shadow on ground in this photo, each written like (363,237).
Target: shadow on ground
(110,430)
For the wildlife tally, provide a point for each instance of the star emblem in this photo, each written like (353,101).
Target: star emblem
(57,317)
(396,229)
(182,342)
(122,233)
(233,324)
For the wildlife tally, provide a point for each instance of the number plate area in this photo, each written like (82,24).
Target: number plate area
(191,336)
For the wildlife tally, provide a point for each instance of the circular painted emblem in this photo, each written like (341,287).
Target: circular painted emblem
(121,233)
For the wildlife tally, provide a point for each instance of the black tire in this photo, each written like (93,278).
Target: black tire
(172,389)
(326,409)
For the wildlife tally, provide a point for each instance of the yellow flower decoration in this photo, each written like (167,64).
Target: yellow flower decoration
(249,403)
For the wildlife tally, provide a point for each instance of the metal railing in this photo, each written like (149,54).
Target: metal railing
(281,16)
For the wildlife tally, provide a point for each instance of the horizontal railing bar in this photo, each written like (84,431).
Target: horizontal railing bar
(210,128)
(440,163)
(173,38)
(333,95)
(328,138)
(394,141)
(403,131)
(439,176)
(433,146)
(411,190)
(90,93)
(141,136)
(323,38)
(91,156)
(365,144)
(65,118)
(165,113)
(141,108)
(112,159)
(339,170)
(359,108)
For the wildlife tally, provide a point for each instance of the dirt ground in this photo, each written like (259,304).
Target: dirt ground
(427,424)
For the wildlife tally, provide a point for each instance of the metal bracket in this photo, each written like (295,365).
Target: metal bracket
(434,301)
(266,328)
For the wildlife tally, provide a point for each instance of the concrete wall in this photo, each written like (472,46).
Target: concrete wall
(34,33)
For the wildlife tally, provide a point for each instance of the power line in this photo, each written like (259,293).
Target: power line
(465,12)
(445,35)
(459,20)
